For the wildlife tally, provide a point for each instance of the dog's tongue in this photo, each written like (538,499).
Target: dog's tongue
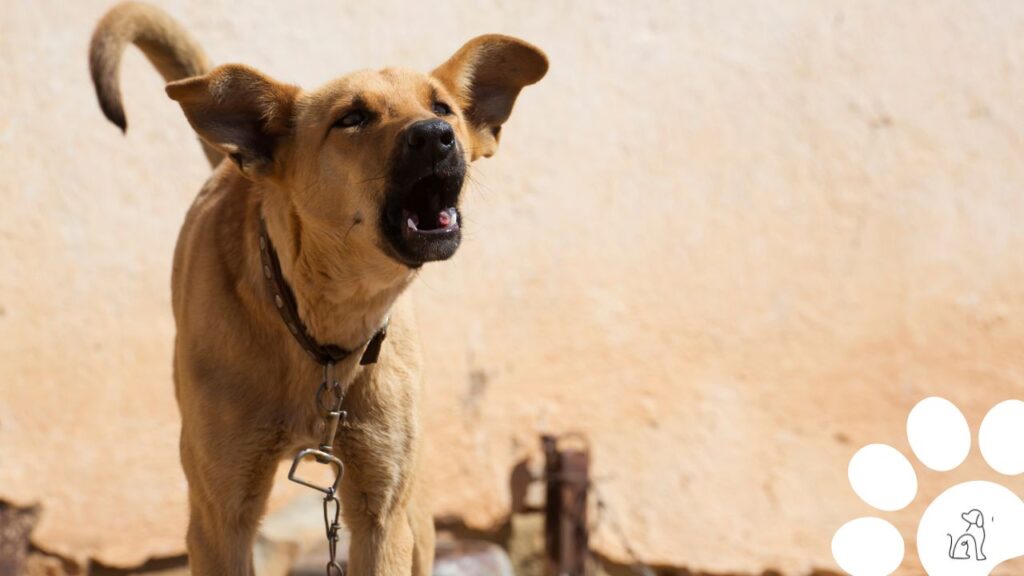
(446,219)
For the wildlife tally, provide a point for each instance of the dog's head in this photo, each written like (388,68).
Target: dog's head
(375,159)
(974,517)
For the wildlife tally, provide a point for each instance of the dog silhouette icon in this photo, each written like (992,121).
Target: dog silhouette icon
(971,543)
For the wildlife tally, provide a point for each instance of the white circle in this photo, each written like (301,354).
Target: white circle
(883,477)
(938,434)
(868,547)
(1000,437)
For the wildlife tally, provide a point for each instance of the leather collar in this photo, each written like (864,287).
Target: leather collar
(284,301)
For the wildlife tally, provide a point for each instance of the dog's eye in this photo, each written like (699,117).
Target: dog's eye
(442,109)
(353,119)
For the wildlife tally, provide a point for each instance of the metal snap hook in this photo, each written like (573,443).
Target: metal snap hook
(324,458)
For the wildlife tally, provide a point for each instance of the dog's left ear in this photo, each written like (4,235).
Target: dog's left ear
(486,75)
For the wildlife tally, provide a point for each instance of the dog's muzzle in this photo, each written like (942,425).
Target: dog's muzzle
(421,216)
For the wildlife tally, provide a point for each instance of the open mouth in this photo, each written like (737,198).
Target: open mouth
(429,211)
(422,219)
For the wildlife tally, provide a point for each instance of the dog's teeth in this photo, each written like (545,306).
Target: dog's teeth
(411,224)
(455,216)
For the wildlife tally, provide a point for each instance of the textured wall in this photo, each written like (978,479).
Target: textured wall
(729,240)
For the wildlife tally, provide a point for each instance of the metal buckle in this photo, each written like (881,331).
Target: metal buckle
(323,458)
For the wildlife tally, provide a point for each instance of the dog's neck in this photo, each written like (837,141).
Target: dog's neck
(343,297)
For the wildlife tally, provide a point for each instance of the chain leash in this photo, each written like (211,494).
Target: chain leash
(333,416)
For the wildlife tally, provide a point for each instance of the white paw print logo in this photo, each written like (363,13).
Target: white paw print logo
(970,528)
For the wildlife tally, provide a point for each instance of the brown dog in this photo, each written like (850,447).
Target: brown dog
(358,184)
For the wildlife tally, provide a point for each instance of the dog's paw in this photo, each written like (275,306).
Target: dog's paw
(970,528)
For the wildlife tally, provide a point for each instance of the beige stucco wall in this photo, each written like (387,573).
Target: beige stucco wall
(730,241)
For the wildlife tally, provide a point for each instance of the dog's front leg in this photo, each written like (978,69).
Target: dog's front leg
(421,518)
(229,483)
(382,545)
(376,492)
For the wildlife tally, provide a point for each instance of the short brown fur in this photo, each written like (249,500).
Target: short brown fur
(243,385)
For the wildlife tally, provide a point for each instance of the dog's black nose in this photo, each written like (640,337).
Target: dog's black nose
(432,138)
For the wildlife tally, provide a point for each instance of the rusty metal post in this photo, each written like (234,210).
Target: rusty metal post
(567,473)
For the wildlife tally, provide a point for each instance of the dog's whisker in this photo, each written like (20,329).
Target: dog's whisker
(374,178)
(477,185)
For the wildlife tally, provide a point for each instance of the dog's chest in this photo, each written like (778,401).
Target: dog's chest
(378,425)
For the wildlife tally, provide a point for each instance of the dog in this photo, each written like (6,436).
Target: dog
(972,541)
(325,203)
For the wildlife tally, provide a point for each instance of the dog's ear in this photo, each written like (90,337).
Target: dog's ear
(981,519)
(240,112)
(486,75)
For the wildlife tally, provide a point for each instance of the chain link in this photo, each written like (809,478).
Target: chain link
(332,527)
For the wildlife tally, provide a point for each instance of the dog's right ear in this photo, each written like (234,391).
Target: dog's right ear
(240,112)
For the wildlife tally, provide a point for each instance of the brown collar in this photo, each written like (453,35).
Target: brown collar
(284,301)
